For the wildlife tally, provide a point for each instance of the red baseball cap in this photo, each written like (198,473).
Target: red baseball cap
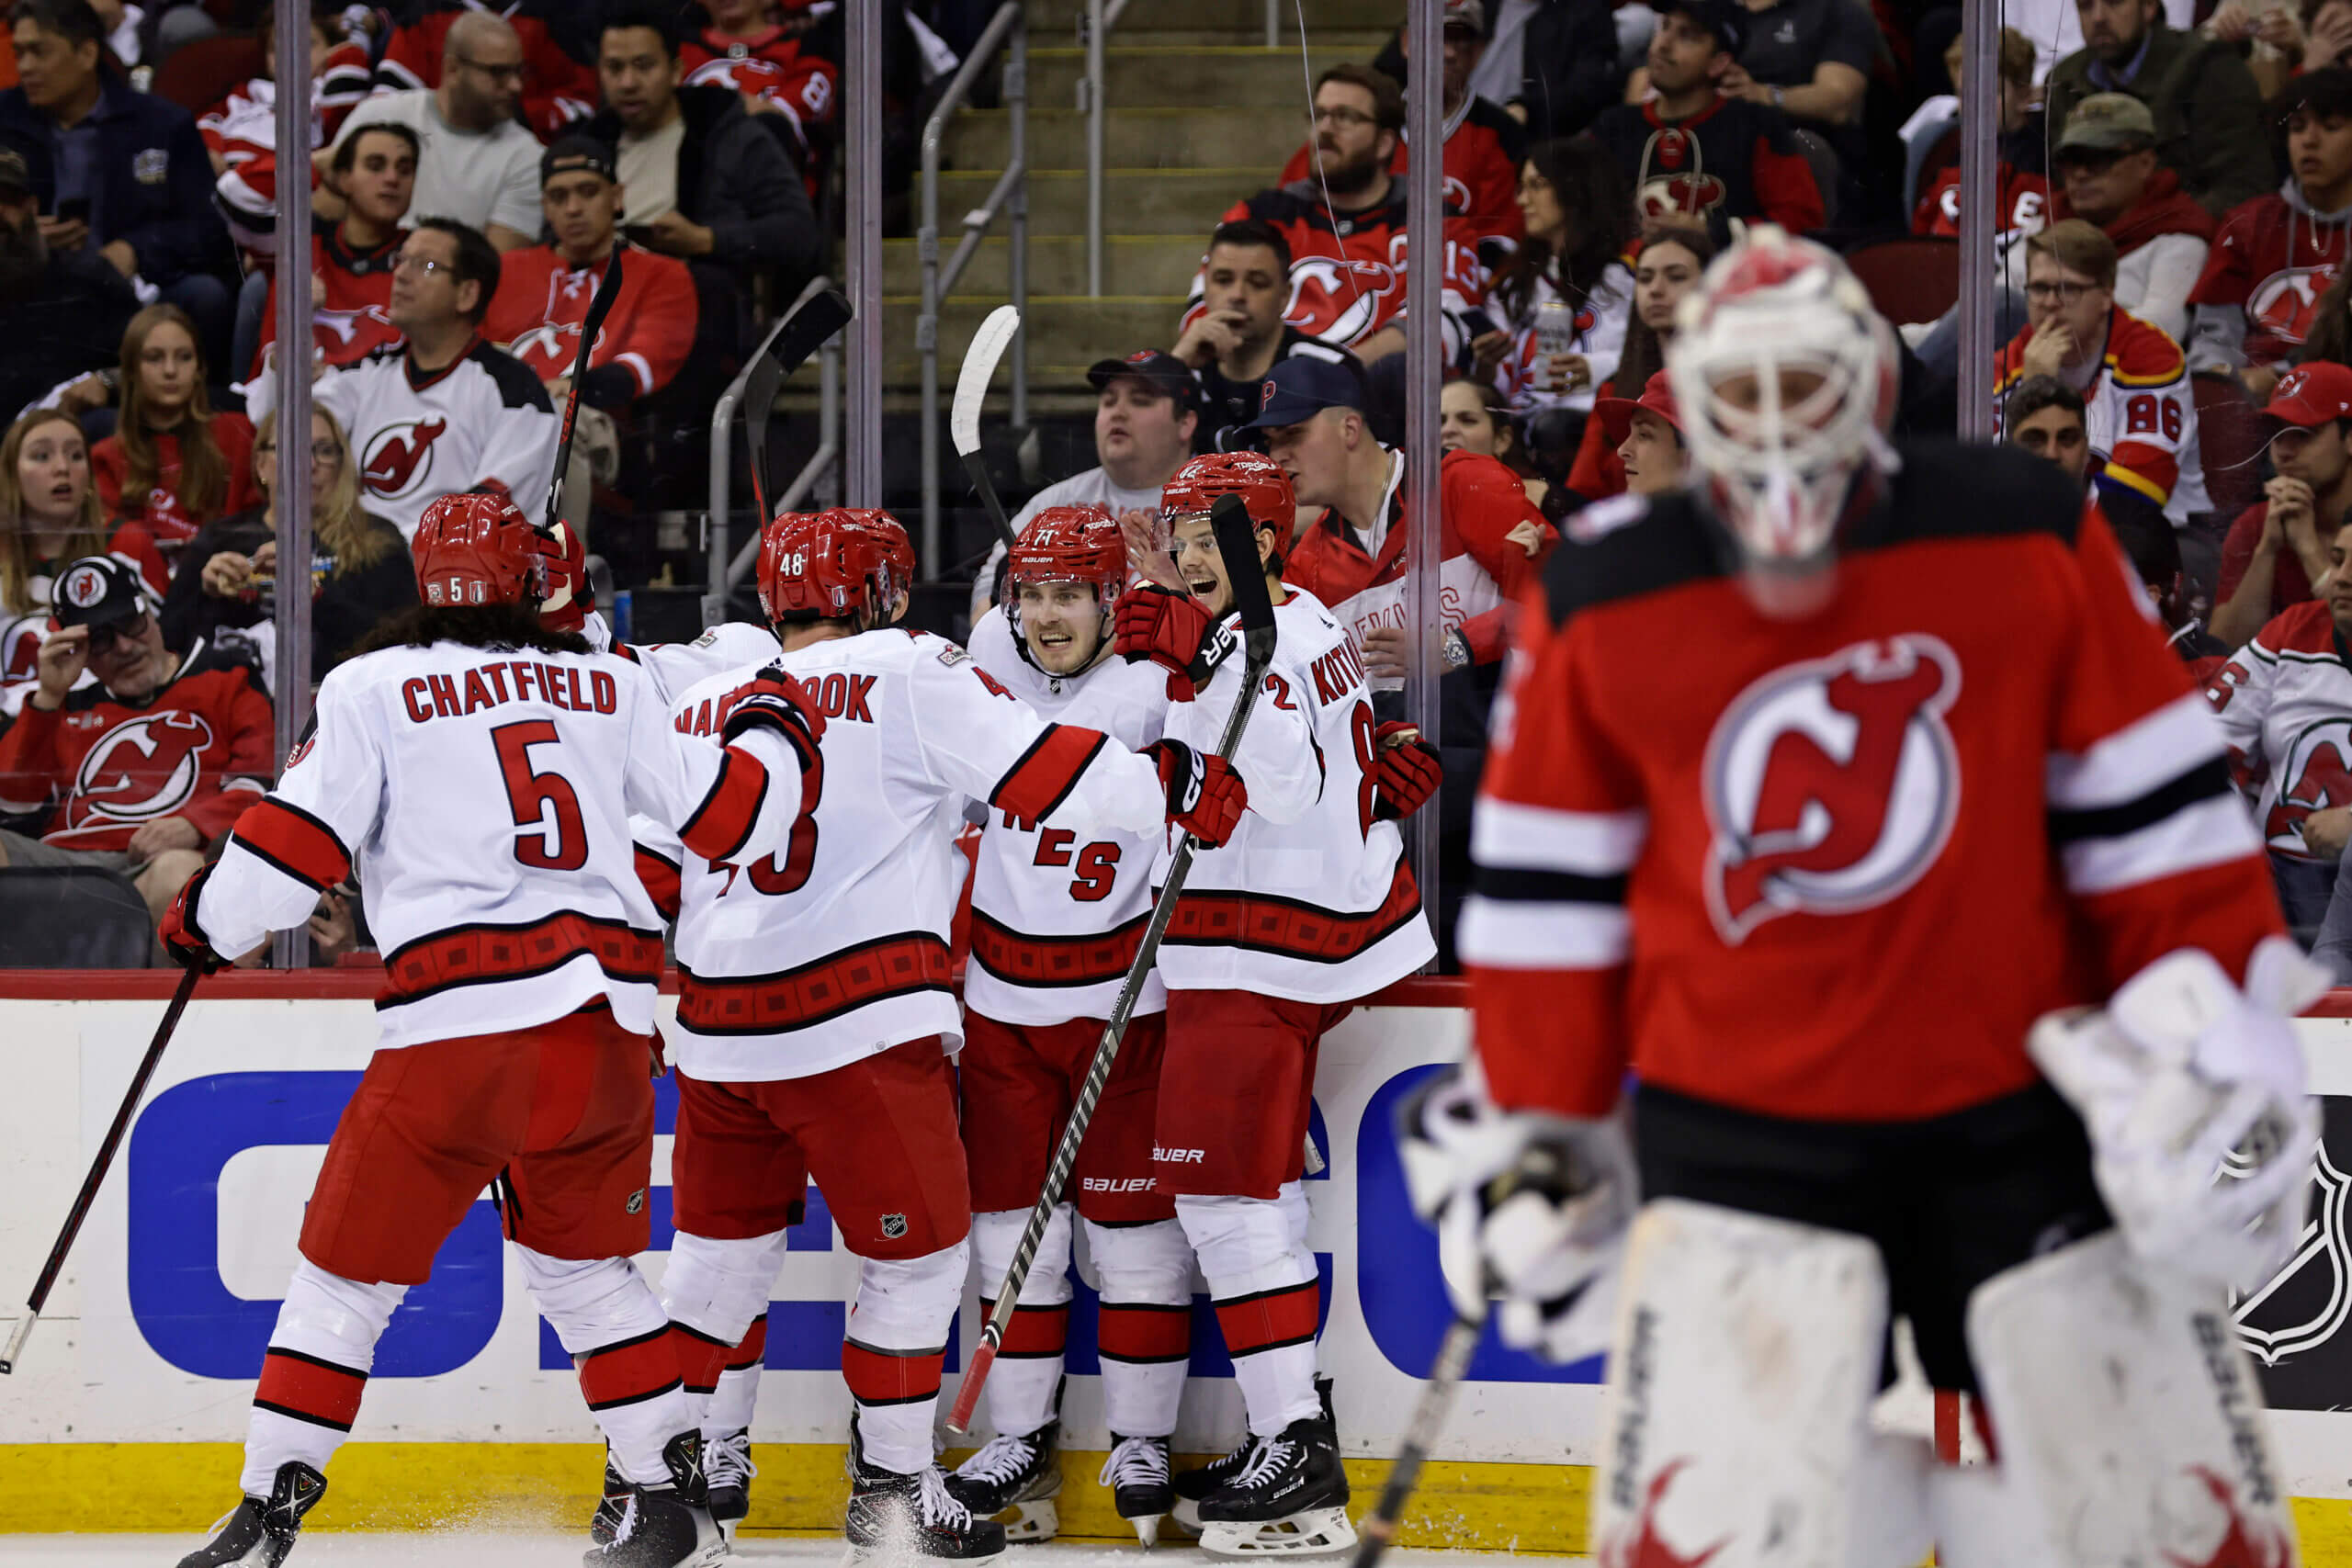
(2309,395)
(1616,414)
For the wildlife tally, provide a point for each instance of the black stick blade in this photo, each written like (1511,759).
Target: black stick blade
(1236,542)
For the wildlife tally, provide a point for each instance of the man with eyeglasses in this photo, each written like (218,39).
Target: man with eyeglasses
(149,763)
(557,84)
(2132,378)
(477,163)
(2107,172)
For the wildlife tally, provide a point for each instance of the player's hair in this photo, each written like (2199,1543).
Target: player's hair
(477,259)
(75,21)
(204,468)
(503,628)
(346,152)
(1591,189)
(661,20)
(2035,393)
(1387,99)
(2078,246)
(356,539)
(1251,233)
(17,561)
(1645,353)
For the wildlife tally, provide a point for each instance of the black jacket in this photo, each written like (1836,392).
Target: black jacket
(345,608)
(71,325)
(735,180)
(155,179)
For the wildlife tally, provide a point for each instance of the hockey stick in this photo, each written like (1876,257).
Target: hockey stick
(987,347)
(1379,1527)
(90,1183)
(1236,542)
(788,348)
(599,307)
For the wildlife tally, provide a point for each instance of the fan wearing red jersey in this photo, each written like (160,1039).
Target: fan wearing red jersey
(815,1013)
(478,771)
(1913,897)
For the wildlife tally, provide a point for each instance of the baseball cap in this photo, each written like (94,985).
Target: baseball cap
(1163,372)
(14,175)
(1725,21)
(2309,395)
(1465,14)
(1616,414)
(97,590)
(2108,122)
(568,154)
(1301,386)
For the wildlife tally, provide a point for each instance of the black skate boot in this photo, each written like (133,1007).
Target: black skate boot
(1136,1474)
(607,1521)
(893,1514)
(727,1461)
(262,1530)
(1191,1485)
(1014,1480)
(669,1527)
(1290,1499)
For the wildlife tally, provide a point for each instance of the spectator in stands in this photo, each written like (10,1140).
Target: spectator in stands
(1811,60)
(1669,265)
(1147,409)
(2276,254)
(2132,378)
(1345,227)
(360,570)
(705,182)
(449,412)
(243,126)
(2277,547)
(476,165)
(350,258)
(61,311)
(2046,417)
(1646,435)
(2024,185)
(116,172)
(147,764)
(48,516)
(555,86)
(1239,333)
(1566,72)
(777,69)
(2331,330)
(2106,165)
(171,464)
(2207,111)
(1694,156)
(1474,417)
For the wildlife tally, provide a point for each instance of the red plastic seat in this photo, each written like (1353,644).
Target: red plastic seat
(1913,279)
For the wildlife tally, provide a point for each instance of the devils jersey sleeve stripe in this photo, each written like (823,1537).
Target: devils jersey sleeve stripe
(2119,768)
(1530,935)
(485,954)
(727,814)
(1506,833)
(1048,772)
(2206,780)
(1512,885)
(293,841)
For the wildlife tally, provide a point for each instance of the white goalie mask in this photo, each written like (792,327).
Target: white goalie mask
(1787,380)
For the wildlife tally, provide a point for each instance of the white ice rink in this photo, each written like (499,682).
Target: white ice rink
(370,1550)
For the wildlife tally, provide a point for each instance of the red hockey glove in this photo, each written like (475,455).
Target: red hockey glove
(1404,772)
(775,701)
(1171,630)
(1206,797)
(181,936)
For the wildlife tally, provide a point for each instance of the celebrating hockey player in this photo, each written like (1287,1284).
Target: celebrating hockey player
(1308,907)
(1915,897)
(815,1017)
(1056,921)
(480,770)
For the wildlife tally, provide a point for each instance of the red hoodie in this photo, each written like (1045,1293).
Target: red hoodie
(2163,208)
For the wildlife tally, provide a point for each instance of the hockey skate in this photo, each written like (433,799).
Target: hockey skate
(726,1465)
(1191,1485)
(1136,1474)
(1015,1477)
(668,1528)
(893,1516)
(1290,1498)
(261,1530)
(606,1521)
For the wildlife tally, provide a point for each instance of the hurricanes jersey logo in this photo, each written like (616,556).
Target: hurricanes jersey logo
(400,456)
(1831,786)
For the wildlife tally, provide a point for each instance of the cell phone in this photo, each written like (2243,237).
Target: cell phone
(73,209)
(638,234)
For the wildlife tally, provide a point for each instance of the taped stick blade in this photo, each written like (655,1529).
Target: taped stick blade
(981,359)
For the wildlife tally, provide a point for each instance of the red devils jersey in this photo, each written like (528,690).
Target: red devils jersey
(201,746)
(536,315)
(2023,208)
(162,513)
(559,53)
(352,318)
(2285,702)
(1834,868)
(244,124)
(1484,148)
(777,67)
(2270,263)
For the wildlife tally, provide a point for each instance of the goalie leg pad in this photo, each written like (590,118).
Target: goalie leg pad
(2127,1421)
(1737,1418)
(1029,1364)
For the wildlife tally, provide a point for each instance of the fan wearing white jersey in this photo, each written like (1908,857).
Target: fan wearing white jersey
(482,771)
(815,1015)
(1309,907)
(1056,920)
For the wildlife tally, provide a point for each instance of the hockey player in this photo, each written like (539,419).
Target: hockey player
(1308,907)
(815,1017)
(1056,920)
(480,770)
(1924,776)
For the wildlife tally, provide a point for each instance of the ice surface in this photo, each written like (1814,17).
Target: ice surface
(373,1550)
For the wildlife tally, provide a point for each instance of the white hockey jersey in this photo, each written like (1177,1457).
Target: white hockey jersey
(1311,898)
(797,963)
(2285,702)
(1057,918)
(485,798)
(674,666)
(421,438)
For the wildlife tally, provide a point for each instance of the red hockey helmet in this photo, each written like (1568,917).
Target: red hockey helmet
(1256,478)
(479,548)
(563,609)
(833,563)
(1072,544)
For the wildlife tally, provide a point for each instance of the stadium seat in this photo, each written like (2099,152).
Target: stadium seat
(2228,431)
(1827,175)
(72,917)
(1913,279)
(199,72)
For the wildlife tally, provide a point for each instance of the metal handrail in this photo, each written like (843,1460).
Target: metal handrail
(1007,30)
(723,576)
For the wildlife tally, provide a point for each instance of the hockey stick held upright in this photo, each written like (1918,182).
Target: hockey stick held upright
(599,307)
(987,347)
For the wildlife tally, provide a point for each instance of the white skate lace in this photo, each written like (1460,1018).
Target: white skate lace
(1273,1454)
(1137,1461)
(1000,1460)
(727,1461)
(940,1509)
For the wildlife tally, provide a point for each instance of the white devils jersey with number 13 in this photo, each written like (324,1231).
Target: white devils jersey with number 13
(485,797)
(1057,918)
(835,948)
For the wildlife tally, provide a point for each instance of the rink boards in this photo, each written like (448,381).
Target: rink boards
(135,1386)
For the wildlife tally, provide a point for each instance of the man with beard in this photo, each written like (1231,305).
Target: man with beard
(2206,109)
(62,314)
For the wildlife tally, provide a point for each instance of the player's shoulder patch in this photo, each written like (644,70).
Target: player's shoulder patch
(517,387)
(951,656)
(1947,491)
(1627,547)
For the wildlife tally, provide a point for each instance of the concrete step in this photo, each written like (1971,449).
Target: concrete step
(1180,76)
(1135,201)
(1066,334)
(1365,42)
(1132,264)
(1246,17)
(1190,137)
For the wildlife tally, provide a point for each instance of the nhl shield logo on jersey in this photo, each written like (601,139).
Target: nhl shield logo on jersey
(1831,786)
(400,457)
(894,1226)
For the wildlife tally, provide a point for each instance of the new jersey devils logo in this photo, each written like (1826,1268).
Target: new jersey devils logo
(1338,299)
(2286,303)
(1689,195)
(400,457)
(141,769)
(1831,786)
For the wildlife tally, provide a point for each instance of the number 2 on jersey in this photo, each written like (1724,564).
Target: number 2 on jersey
(560,845)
